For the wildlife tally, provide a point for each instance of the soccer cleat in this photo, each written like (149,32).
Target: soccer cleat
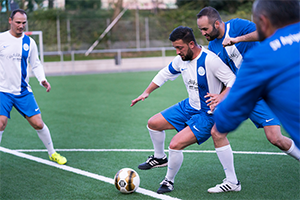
(154,162)
(165,186)
(56,157)
(225,187)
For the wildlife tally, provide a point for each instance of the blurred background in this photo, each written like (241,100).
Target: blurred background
(141,27)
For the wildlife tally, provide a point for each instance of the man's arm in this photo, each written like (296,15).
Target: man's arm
(250,37)
(145,94)
(37,67)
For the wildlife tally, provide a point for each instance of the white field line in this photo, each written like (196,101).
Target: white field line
(148,150)
(81,172)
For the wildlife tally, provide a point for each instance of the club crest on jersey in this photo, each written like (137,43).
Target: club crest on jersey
(25,47)
(201,71)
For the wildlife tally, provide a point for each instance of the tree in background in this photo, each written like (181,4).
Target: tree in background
(221,5)
(83,4)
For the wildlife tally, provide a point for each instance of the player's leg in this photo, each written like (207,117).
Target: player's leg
(287,145)
(42,130)
(181,140)
(198,130)
(6,105)
(156,127)
(3,123)
(170,118)
(44,134)
(262,116)
(225,155)
(27,106)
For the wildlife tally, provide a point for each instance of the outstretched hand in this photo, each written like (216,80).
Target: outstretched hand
(46,85)
(142,97)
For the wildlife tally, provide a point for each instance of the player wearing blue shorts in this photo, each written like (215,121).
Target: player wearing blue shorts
(218,32)
(202,72)
(16,52)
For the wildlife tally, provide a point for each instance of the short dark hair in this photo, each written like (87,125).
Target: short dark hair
(211,13)
(16,11)
(279,12)
(183,33)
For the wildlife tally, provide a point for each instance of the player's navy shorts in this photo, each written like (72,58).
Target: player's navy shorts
(182,114)
(24,103)
(262,115)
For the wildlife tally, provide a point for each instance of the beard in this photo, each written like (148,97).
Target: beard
(189,55)
(261,35)
(213,34)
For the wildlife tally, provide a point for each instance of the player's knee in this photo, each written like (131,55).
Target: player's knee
(215,134)
(273,139)
(38,125)
(274,136)
(175,145)
(3,124)
(152,123)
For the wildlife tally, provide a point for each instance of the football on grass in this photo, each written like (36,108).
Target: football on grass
(127,180)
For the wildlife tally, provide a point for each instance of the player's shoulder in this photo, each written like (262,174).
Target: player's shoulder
(177,62)
(4,34)
(237,21)
(210,55)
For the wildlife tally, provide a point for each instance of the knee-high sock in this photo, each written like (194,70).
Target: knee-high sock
(293,151)
(158,140)
(174,163)
(44,135)
(1,132)
(226,158)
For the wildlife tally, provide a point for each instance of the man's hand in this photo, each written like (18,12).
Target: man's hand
(46,85)
(229,41)
(142,97)
(213,101)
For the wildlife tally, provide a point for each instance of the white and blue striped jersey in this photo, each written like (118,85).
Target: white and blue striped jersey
(204,74)
(15,56)
(233,55)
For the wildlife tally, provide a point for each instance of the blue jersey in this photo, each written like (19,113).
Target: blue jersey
(270,70)
(233,55)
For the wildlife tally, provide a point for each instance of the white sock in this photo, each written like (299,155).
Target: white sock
(226,158)
(174,163)
(293,151)
(158,140)
(1,132)
(44,135)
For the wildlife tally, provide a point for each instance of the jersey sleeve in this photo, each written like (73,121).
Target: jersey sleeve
(35,63)
(170,72)
(221,71)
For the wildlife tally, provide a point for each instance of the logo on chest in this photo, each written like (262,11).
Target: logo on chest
(201,71)
(25,47)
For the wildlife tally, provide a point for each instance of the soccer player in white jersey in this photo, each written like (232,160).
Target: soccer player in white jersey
(241,35)
(17,50)
(202,72)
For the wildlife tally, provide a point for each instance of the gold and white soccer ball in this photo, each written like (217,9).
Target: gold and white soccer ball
(127,180)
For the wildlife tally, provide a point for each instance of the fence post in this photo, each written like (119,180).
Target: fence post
(137,26)
(147,32)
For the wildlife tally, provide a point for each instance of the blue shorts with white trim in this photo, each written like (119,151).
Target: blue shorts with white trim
(25,103)
(182,114)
